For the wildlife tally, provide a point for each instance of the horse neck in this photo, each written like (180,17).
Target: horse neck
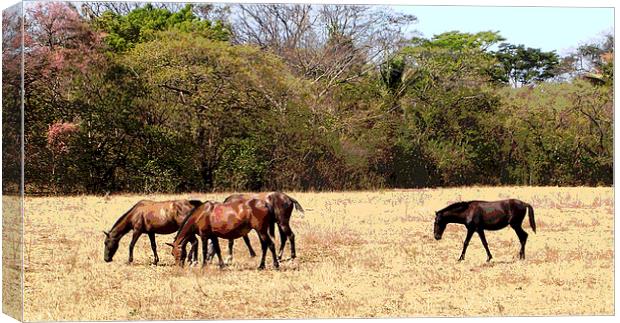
(455,218)
(186,230)
(121,227)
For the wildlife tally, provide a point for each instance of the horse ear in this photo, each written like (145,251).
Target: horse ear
(107,234)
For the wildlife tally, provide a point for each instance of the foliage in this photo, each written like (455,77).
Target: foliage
(449,107)
(562,134)
(158,99)
(11,100)
(592,61)
(521,66)
(142,24)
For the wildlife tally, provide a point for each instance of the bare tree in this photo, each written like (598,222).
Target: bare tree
(331,44)
(279,28)
(93,10)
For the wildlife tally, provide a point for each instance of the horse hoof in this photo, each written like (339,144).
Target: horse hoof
(261,267)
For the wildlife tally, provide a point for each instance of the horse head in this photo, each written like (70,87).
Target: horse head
(440,225)
(110,246)
(178,253)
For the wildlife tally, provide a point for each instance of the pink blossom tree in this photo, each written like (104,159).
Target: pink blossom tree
(58,136)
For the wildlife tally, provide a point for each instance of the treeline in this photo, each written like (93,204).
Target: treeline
(171,98)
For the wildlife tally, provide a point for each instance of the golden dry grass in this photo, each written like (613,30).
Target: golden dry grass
(360,254)
(11,256)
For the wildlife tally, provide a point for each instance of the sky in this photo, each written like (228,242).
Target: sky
(548,28)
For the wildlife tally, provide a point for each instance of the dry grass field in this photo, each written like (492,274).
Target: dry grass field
(360,254)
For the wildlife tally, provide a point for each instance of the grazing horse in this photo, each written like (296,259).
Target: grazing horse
(151,218)
(478,216)
(213,220)
(282,206)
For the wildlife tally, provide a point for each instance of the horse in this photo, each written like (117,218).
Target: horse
(478,216)
(151,218)
(213,220)
(282,206)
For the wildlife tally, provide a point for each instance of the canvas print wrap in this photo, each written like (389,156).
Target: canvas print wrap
(257,161)
(12,189)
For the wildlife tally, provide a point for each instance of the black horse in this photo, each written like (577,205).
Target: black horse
(478,216)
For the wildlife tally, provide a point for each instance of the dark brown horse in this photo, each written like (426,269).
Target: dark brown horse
(478,216)
(151,218)
(213,220)
(282,206)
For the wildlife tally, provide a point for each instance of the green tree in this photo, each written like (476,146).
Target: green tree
(448,106)
(217,95)
(560,134)
(142,24)
(521,66)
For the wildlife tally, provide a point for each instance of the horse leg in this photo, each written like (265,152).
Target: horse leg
(134,239)
(210,252)
(484,243)
(291,237)
(246,239)
(282,242)
(193,250)
(218,252)
(522,239)
(287,232)
(154,247)
(267,242)
(205,250)
(272,247)
(181,261)
(470,232)
(231,245)
(263,245)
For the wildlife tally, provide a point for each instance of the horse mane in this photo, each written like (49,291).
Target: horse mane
(456,206)
(195,203)
(189,215)
(122,217)
(233,197)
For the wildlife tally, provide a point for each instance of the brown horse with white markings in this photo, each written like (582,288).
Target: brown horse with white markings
(213,220)
(282,206)
(478,216)
(151,218)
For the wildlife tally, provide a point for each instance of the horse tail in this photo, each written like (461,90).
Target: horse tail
(272,213)
(298,206)
(530,215)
